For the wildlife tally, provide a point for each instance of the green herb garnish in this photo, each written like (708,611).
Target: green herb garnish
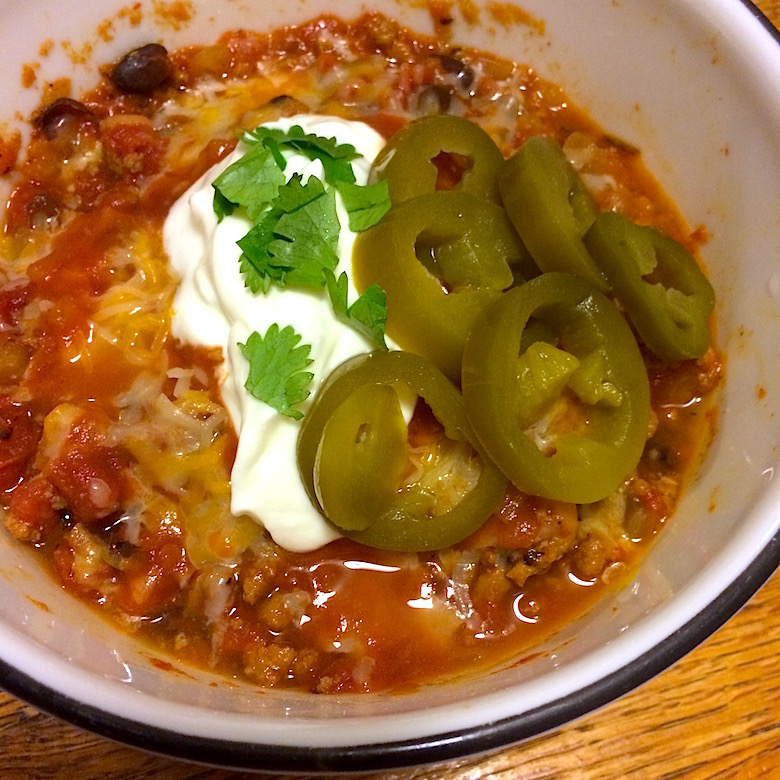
(276,369)
(251,181)
(295,240)
(367,315)
(335,157)
(365,205)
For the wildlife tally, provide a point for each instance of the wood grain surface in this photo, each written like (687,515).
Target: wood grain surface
(715,714)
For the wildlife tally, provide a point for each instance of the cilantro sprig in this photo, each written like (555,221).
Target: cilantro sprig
(365,205)
(277,374)
(335,157)
(293,243)
(252,181)
(367,315)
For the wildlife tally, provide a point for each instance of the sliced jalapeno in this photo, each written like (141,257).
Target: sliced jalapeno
(361,457)
(441,259)
(665,293)
(407,161)
(550,208)
(568,420)
(357,487)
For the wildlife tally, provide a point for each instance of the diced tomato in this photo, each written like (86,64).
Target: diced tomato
(31,204)
(240,635)
(88,186)
(13,298)
(89,475)
(155,576)
(19,436)
(31,513)
(91,481)
(80,561)
(133,147)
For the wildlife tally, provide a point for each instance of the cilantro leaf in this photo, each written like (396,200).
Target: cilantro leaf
(276,150)
(222,206)
(335,157)
(365,205)
(252,181)
(295,241)
(306,143)
(367,315)
(295,194)
(307,233)
(276,369)
(254,262)
(337,171)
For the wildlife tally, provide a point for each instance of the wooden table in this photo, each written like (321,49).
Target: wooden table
(671,727)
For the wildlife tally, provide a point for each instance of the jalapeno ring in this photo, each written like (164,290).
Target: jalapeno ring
(398,520)
(508,395)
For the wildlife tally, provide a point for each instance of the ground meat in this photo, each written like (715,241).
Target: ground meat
(592,556)
(269,665)
(532,533)
(257,578)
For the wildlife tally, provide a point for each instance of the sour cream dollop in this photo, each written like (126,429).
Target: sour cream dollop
(214,308)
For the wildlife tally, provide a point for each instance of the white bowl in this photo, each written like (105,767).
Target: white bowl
(696,85)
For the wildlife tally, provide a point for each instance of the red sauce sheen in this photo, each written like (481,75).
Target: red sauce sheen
(115,449)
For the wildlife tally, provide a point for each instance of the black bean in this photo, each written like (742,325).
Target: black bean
(289,105)
(142,70)
(461,70)
(532,557)
(434,99)
(66,518)
(63,116)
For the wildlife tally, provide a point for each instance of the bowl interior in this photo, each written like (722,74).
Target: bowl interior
(696,86)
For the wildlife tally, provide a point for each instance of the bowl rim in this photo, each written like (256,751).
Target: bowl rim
(431,748)
(434,748)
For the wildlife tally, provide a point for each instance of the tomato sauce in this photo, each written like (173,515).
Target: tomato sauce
(115,449)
